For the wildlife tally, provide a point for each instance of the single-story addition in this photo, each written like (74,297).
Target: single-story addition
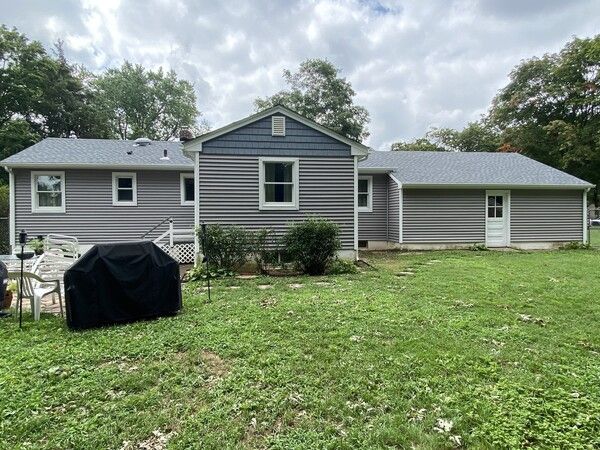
(277,167)
(434,200)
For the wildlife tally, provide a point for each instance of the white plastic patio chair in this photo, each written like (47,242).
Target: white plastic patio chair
(35,288)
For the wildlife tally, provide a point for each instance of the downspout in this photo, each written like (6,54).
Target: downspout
(387,209)
(11,208)
(196,205)
(585,217)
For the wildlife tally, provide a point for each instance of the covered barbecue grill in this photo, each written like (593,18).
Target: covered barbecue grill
(119,283)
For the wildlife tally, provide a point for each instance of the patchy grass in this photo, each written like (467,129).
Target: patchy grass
(480,349)
(595,237)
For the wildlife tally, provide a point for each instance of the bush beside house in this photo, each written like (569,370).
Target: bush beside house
(311,245)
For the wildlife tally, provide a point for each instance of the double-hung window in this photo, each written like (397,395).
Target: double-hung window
(187,189)
(48,192)
(365,194)
(124,186)
(278,178)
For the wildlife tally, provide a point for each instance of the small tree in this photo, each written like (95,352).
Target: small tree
(312,244)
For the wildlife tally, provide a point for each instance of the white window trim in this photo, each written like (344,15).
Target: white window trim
(182,178)
(34,200)
(115,197)
(369,207)
(266,206)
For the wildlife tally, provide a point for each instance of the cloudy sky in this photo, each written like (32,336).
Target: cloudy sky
(414,64)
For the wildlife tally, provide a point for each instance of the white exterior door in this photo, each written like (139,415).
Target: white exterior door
(497,211)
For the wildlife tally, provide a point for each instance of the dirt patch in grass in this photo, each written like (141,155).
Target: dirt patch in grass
(214,364)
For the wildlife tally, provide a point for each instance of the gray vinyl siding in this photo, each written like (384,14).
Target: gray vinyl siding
(443,216)
(394,211)
(372,226)
(90,215)
(229,188)
(546,215)
(256,139)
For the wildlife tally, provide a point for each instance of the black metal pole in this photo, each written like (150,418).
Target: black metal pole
(205,257)
(22,242)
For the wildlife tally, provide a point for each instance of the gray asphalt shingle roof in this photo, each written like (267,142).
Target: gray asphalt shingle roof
(99,152)
(477,168)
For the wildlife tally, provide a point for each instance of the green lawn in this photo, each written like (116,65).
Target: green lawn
(505,345)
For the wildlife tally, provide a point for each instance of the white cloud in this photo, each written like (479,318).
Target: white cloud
(413,64)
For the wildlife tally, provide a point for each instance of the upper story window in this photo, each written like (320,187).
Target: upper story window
(48,192)
(124,186)
(365,194)
(187,188)
(278,125)
(278,178)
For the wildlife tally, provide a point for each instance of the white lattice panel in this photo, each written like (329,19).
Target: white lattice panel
(184,253)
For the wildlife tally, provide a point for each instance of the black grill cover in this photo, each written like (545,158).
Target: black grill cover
(119,283)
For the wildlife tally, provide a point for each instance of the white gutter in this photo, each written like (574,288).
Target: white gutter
(497,186)
(178,167)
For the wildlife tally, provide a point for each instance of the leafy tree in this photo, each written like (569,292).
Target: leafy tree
(142,103)
(418,145)
(475,137)
(550,109)
(40,95)
(318,92)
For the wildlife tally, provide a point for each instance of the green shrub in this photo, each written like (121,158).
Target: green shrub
(261,251)
(575,245)
(478,248)
(4,200)
(199,272)
(312,244)
(227,247)
(341,266)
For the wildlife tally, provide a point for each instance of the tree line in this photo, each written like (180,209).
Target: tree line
(549,111)
(42,95)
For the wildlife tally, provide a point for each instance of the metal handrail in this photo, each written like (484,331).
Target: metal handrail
(156,226)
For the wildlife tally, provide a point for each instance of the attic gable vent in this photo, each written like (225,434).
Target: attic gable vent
(278,125)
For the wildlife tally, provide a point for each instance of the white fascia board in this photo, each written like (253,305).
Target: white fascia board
(53,166)
(356,148)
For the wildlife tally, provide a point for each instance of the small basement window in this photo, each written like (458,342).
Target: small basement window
(363,244)
(187,189)
(124,186)
(48,192)
(278,178)
(278,125)
(365,194)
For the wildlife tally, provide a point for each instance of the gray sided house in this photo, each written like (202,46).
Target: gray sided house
(276,168)
(416,200)
(99,190)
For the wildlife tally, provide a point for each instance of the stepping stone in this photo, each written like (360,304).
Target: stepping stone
(264,286)
(234,287)
(404,274)
(295,285)
(246,277)
(322,283)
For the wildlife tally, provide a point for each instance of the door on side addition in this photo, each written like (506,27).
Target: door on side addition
(497,233)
